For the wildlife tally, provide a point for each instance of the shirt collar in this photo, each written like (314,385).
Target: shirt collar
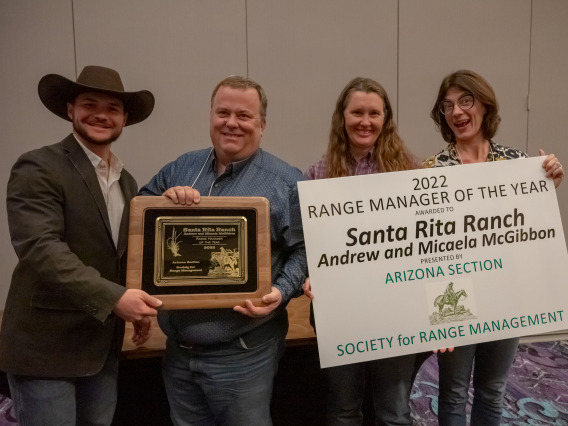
(237,166)
(492,155)
(116,165)
(368,158)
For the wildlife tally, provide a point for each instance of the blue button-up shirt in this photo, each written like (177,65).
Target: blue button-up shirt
(261,175)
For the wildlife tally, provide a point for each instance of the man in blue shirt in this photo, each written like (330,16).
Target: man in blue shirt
(220,364)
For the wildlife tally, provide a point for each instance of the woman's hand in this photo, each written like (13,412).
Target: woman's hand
(442,350)
(307,287)
(553,168)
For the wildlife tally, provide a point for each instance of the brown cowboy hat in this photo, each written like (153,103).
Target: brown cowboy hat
(55,91)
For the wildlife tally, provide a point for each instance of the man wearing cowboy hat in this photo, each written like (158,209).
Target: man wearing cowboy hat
(68,209)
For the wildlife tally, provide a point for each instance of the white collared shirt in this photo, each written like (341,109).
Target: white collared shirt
(110,187)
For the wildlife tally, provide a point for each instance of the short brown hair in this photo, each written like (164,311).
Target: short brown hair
(470,82)
(238,82)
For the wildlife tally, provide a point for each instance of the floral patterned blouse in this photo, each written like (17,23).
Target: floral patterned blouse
(449,156)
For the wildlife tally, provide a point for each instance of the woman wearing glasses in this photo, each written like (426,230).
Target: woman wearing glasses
(364,140)
(466,113)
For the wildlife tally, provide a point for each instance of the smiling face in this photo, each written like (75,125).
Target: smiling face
(364,118)
(466,125)
(235,124)
(97,118)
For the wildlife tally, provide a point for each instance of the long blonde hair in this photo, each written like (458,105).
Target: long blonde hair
(390,150)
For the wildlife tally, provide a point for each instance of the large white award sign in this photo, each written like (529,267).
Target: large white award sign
(413,261)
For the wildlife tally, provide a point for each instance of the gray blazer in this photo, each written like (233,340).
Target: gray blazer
(58,320)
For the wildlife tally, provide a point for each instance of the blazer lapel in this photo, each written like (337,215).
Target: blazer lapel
(128,193)
(81,162)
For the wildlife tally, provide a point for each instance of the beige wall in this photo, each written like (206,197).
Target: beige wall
(302,52)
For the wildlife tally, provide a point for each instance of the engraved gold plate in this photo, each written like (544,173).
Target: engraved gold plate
(191,250)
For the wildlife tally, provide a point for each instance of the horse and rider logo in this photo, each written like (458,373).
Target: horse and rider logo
(451,306)
(225,263)
(451,298)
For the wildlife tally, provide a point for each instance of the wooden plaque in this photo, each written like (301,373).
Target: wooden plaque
(213,254)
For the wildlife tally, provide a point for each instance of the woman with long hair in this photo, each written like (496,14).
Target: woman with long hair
(364,140)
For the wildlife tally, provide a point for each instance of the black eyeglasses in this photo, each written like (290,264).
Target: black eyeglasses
(465,102)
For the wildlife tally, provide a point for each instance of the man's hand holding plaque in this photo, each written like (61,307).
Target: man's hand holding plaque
(184,195)
(270,302)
